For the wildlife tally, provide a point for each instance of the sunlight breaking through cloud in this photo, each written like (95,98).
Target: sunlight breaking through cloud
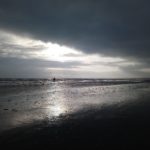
(58,58)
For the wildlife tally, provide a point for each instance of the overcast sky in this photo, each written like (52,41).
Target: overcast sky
(75,38)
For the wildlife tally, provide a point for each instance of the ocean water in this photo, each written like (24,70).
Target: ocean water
(25,101)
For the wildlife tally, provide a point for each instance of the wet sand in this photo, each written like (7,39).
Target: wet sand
(123,127)
(75,114)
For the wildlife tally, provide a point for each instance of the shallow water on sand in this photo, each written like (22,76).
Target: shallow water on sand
(27,101)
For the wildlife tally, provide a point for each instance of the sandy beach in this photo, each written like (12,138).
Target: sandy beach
(68,113)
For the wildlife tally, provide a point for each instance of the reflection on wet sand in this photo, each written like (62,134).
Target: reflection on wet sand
(52,101)
(49,107)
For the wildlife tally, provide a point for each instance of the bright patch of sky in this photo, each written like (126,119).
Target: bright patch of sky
(25,47)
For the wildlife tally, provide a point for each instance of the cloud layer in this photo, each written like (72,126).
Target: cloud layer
(118,28)
(105,26)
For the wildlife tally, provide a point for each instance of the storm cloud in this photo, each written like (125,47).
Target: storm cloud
(105,26)
(118,28)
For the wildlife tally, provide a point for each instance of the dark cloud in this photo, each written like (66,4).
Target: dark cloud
(113,28)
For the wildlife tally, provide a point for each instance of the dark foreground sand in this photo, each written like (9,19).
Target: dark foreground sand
(113,127)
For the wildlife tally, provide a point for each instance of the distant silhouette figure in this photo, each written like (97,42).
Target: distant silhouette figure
(54,79)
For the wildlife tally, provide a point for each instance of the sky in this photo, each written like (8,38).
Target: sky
(74,38)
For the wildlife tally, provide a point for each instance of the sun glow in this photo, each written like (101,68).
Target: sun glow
(58,58)
(58,53)
(27,47)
